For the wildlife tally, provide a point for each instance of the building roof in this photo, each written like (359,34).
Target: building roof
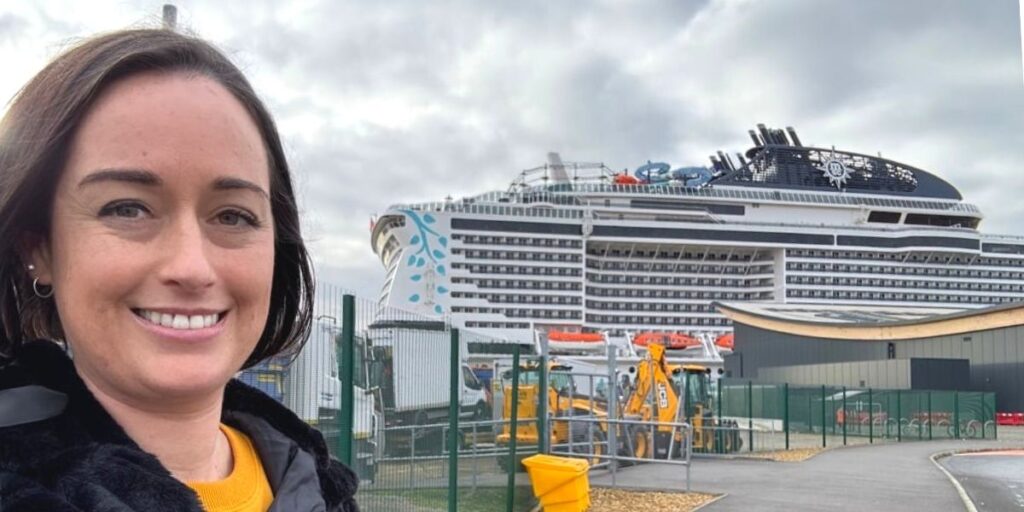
(869,322)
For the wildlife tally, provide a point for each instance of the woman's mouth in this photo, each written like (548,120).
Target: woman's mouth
(179,321)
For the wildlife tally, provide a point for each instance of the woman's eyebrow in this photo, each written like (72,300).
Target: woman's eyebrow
(139,176)
(239,184)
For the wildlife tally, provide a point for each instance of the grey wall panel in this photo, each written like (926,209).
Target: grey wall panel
(996,360)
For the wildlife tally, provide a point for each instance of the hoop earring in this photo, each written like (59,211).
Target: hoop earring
(35,288)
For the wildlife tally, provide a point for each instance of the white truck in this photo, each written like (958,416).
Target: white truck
(313,392)
(409,363)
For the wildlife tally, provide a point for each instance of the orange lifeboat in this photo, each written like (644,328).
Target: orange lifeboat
(671,341)
(591,337)
(575,341)
(625,179)
(725,342)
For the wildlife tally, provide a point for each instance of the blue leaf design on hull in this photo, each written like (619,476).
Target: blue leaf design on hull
(427,245)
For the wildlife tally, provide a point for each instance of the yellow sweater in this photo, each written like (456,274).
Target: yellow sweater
(246,489)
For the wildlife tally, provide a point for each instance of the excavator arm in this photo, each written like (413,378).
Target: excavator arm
(654,376)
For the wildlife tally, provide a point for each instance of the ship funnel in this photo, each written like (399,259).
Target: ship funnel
(556,169)
(765,136)
(780,137)
(170,17)
(792,135)
(753,137)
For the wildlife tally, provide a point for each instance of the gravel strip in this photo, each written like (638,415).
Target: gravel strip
(620,500)
(798,455)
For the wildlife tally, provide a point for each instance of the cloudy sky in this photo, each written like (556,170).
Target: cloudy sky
(396,101)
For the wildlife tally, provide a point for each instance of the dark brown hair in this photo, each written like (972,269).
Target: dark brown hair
(36,133)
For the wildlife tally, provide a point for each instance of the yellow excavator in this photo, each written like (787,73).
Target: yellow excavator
(653,373)
(563,403)
(655,397)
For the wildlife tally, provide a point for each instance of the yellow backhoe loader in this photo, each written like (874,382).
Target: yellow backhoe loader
(588,438)
(655,398)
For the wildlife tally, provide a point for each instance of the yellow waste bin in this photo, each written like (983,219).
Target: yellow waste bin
(560,483)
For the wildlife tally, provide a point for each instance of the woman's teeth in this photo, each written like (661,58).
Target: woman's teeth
(180,321)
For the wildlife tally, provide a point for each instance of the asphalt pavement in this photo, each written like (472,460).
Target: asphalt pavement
(993,480)
(891,477)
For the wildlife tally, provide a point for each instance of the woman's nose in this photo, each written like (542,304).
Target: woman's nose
(187,260)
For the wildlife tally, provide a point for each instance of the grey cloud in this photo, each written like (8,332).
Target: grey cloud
(935,84)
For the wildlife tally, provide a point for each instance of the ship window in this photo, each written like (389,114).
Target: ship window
(884,217)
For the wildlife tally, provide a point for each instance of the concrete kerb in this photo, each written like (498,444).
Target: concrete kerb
(968,503)
(712,501)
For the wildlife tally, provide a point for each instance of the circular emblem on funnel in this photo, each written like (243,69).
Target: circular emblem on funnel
(835,170)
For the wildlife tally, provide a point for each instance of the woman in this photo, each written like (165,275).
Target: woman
(148,225)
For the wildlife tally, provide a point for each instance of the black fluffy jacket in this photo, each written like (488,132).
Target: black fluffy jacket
(61,452)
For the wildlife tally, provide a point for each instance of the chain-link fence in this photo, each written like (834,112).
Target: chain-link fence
(783,417)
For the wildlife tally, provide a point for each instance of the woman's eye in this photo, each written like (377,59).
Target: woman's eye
(124,211)
(236,218)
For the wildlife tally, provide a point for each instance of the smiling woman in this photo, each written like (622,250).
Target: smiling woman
(148,226)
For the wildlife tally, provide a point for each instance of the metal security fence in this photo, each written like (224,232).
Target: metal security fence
(783,417)
(402,401)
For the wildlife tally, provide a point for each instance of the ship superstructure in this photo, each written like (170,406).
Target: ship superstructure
(580,247)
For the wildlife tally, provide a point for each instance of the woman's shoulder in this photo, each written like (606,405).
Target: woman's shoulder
(59,450)
(290,449)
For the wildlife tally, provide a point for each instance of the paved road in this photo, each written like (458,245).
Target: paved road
(993,480)
(891,477)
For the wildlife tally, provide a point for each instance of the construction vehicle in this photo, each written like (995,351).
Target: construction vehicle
(655,398)
(563,403)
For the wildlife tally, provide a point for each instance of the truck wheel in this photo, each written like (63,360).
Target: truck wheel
(640,441)
(481,412)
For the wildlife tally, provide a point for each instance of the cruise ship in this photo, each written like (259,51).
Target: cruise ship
(579,247)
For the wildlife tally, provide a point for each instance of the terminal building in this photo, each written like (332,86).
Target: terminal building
(885,347)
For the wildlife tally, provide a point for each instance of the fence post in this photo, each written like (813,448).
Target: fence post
(931,419)
(613,413)
(824,443)
(899,419)
(871,418)
(844,416)
(542,400)
(785,412)
(750,414)
(719,432)
(347,374)
(921,425)
(513,465)
(956,414)
(995,421)
(455,370)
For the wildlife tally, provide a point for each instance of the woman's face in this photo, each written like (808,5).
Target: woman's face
(161,251)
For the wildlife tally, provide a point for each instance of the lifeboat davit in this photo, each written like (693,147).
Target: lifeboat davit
(725,343)
(671,341)
(577,341)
